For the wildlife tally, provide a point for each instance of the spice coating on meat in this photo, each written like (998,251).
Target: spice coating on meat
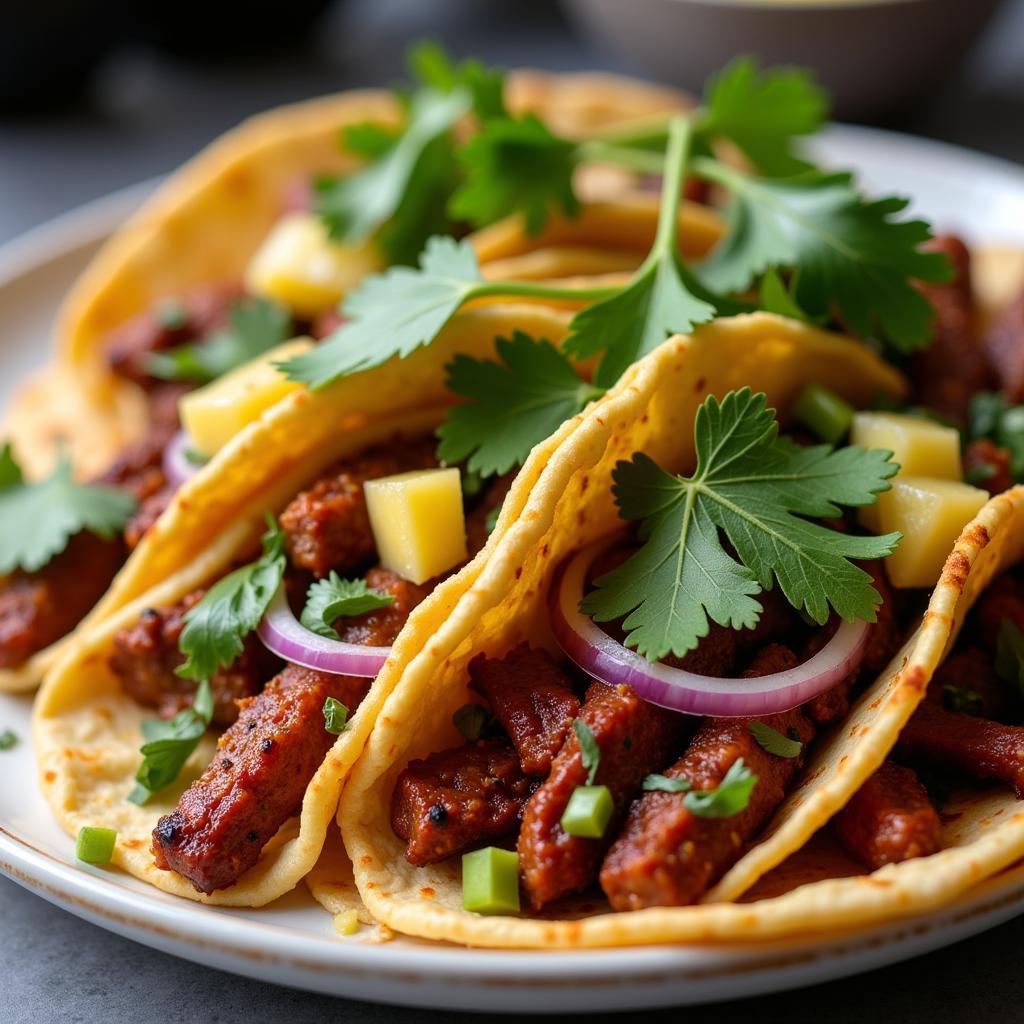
(146,655)
(665,854)
(327,526)
(532,699)
(963,743)
(173,322)
(1004,345)
(1003,599)
(38,608)
(970,676)
(635,738)
(987,465)
(458,798)
(954,366)
(256,781)
(380,628)
(714,655)
(889,819)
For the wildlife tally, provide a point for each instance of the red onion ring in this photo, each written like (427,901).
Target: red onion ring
(606,659)
(177,467)
(286,637)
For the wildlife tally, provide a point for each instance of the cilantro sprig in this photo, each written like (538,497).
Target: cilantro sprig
(38,519)
(254,326)
(332,598)
(774,741)
(231,609)
(590,752)
(762,493)
(170,744)
(727,799)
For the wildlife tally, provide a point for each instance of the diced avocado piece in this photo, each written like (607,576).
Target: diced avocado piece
(588,812)
(95,845)
(418,522)
(302,268)
(490,881)
(930,514)
(215,413)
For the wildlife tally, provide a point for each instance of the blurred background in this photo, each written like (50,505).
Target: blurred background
(98,95)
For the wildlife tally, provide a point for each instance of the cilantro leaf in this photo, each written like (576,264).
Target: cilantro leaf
(762,112)
(516,166)
(993,417)
(756,488)
(37,519)
(170,744)
(731,796)
(590,752)
(8,739)
(776,298)
(393,314)
(255,326)
(514,403)
(850,252)
(329,599)
(774,742)
(231,609)
(335,716)
(432,66)
(1010,655)
(661,299)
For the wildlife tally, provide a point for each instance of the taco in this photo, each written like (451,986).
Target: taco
(617,816)
(227,262)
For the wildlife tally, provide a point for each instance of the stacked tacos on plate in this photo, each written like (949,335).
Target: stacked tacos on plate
(229,261)
(603,362)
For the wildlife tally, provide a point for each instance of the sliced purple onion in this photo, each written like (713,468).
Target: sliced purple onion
(283,634)
(606,659)
(177,467)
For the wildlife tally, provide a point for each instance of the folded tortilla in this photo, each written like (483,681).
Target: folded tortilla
(568,506)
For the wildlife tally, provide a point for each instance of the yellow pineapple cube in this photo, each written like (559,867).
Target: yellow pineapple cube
(418,522)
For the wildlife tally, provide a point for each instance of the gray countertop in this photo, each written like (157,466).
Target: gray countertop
(144,115)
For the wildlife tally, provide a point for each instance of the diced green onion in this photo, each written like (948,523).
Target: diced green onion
(490,881)
(824,413)
(346,923)
(95,845)
(588,812)
(335,716)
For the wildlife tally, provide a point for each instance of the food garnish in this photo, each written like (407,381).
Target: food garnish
(95,845)
(335,716)
(471,720)
(825,414)
(41,517)
(590,752)
(332,598)
(774,741)
(1010,655)
(255,326)
(729,798)
(588,812)
(8,739)
(757,489)
(490,881)
(170,744)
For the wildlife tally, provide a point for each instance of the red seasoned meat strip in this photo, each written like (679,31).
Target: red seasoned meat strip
(1004,345)
(988,465)
(1003,599)
(146,655)
(171,322)
(256,781)
(886,636)
(963,743)
(458,798)
(532,698)
(327,526)
(889,819)
(954,366)
(970,675)
(38,608)
(634,738)
(381,627)
(666,856)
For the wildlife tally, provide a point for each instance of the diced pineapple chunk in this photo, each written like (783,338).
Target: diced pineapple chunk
(299,266)
(213,414)
(418,522)
(930,514)
(920,447)
(347,922)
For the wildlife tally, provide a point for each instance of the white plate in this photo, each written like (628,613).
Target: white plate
(293,941)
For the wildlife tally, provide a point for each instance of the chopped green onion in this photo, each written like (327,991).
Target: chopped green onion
(471,720)
(335,716)
(824,413)
(8,739)
(95,845)
(588,812)
(490,881)
(346,923)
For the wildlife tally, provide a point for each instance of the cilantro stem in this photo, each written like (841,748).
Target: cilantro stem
(645,161)
(677,154)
